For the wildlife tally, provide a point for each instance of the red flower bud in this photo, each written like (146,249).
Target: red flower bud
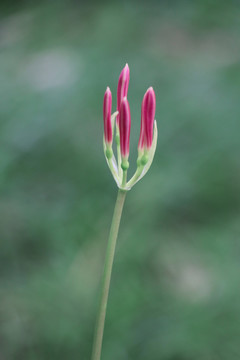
(107,109)
(147,119)
(122,89)
(124,127)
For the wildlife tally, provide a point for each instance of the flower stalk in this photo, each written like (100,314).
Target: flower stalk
(97,344)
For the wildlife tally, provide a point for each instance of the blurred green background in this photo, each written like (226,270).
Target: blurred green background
(176,279)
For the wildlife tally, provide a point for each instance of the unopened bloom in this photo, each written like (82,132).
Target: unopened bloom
(122,88)
(147,120)
(148,133)
(124,127)
(107,109)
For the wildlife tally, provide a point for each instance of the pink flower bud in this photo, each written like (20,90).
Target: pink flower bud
(124,127)
(147,119)
(107,109)
(122,89)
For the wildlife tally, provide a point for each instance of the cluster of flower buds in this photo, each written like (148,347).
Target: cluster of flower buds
(121,120)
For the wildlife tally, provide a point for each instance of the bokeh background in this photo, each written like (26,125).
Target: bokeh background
(176,279)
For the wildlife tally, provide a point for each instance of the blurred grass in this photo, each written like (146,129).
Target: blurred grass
(175,286)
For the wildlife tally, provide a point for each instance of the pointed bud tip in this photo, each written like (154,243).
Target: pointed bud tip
(126,72)
(123,83)
(150,89)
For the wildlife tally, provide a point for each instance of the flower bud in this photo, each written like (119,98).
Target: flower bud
(122,88)
(147,120)
(107,109)
(124,127)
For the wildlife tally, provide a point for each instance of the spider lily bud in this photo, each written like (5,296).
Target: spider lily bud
(149,115)
(124,128)
(148,133)
(107,108)
(147,120)
(122,88)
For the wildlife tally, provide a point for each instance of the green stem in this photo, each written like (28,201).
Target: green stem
(98,336)
(119,157)
(135,176)
(111,167)
(124,179)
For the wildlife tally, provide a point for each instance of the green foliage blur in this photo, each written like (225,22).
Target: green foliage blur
(176,278)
